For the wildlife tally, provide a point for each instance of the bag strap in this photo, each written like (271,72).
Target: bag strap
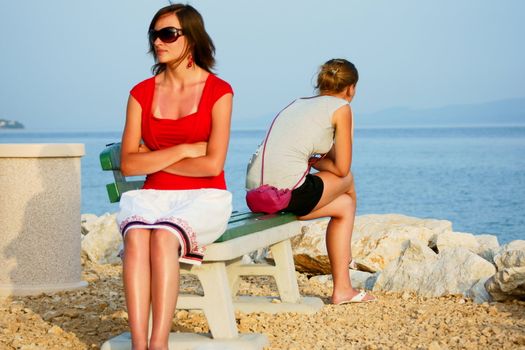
(264,150)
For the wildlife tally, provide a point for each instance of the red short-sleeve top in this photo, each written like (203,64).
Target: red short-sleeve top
(158,133)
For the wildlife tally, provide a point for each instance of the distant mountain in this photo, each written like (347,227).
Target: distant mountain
(509,111)
(10,124)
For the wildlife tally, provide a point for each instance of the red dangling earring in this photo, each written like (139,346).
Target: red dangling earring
(190,61)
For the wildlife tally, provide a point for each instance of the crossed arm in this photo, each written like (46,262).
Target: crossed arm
(191,159)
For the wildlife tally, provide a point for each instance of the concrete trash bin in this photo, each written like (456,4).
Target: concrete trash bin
(40,218)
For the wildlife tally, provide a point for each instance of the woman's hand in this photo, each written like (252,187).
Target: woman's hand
(197,149)
(143,148)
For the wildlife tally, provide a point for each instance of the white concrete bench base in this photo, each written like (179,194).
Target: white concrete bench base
(220,274)
(194,341)
(273,305)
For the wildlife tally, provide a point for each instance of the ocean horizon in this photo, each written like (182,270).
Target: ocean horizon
(473,175)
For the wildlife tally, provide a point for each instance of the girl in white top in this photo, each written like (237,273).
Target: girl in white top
(318,131)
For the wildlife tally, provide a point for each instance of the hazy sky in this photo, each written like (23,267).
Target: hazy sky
(69,65)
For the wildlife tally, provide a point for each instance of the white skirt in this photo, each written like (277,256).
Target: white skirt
(195,217)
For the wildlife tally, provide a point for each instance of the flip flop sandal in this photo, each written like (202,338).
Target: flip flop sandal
(358,298)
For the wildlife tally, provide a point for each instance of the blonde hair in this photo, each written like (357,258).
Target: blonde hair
(336,75)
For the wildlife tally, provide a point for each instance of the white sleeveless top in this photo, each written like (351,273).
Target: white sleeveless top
(302,129)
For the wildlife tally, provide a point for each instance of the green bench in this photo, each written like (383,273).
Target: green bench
(222,267)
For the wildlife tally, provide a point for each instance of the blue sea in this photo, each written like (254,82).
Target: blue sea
(472,176)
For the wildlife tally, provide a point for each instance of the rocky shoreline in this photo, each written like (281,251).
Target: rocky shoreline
(424,256)
(440,301)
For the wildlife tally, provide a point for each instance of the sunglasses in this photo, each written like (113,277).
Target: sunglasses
(166,35)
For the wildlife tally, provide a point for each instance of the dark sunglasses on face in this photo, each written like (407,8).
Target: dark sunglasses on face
(166,35)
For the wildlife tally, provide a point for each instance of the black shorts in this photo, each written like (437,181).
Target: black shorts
(305,197)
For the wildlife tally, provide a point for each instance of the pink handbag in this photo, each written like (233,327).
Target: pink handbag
(266,198)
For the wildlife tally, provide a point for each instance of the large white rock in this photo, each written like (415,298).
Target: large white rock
(507,284)
(419,269)
(448,240)
(478,292)
(457,271)
(488,246)
(374,251)
(380,239)
(309,248)
(409,270)
(86,222)
(509,281)
(511,255)
(102,242)
(312,239)
(376,241)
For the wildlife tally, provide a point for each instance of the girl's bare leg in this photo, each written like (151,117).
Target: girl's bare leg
(136,277)
(164,254)
(338,202)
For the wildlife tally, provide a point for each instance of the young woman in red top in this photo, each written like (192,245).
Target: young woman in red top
(182,116)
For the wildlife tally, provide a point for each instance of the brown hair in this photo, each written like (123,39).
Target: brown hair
(336,75)
(198,41)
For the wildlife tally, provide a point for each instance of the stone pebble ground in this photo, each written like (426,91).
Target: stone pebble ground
(84,319)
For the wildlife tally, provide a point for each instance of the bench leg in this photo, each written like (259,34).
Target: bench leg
(285,272)
(234,278)
(217,301)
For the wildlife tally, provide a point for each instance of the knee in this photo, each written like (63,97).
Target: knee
(349,201)
(163,241)
(346,205)
(133,239)
(135,244)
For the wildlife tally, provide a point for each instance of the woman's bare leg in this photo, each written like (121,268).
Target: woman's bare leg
(334,186)
(136,277)
(164,247)
(338,202)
